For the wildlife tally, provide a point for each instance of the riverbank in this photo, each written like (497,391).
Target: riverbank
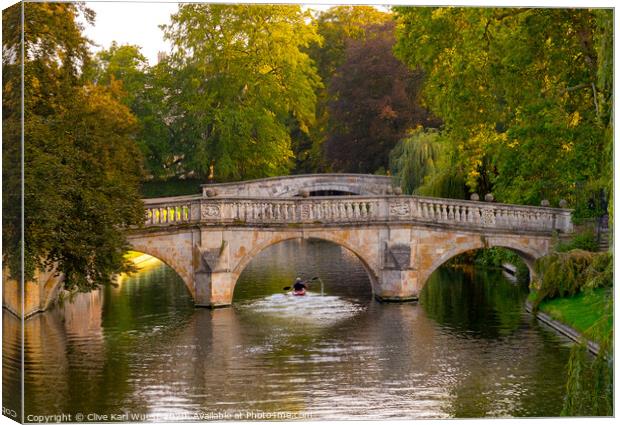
(575,316)
(563,329)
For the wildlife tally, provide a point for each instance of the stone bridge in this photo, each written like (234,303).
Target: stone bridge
(303,185)
(209,240)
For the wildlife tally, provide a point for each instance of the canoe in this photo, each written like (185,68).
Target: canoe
(300,292)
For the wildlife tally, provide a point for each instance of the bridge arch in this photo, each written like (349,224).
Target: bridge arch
(318,187)
(171,260)
(367,263)
(526,253)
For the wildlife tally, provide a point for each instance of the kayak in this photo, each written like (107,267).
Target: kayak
(300,292)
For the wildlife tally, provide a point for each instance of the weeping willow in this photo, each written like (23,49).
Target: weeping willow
(589,387)
(444,183)
(424,166)
(564,274)
(415,157)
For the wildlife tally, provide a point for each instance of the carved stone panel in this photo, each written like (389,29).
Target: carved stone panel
(488,217)
(209,212)
(400,209)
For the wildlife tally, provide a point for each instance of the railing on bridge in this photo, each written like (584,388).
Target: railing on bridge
(355,209)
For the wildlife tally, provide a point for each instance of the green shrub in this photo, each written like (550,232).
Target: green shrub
(585,241)
(563,274)
(601,271)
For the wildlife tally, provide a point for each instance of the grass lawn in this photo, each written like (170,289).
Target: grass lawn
(173,187)
(580,311)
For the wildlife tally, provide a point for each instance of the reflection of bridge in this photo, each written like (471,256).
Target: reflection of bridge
(400,240)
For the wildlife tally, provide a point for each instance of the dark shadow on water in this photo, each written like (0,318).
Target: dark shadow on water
(478,302)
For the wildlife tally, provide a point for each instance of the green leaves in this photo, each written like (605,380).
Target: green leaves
(82,174)
(241,76)
(415,158)
(81,164)
(517,91)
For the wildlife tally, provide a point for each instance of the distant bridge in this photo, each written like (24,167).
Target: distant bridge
(304,185)
(209,239)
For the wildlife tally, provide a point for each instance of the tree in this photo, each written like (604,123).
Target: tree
(425,165)
(336,26)
(517,90)
(82,176)
(145,90)
(81,165)
(414,158)
(241,76)
(373,103)
(124,64)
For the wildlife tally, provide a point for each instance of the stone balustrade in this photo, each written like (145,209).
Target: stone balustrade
(356,209)
(166,213)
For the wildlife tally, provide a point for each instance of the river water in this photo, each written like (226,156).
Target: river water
(467,349)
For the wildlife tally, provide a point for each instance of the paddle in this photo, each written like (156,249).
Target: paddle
(288,288)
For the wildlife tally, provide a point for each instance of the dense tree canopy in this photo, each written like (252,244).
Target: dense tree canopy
(241,76)
(126,65)
(520,93)
(145,90)
(336,27)
(373,102)
(81,165)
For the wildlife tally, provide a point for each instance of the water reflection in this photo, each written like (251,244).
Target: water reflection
(278,266)
(11,364)
(467,350)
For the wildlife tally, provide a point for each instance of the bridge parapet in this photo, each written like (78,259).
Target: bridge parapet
(356,209)
(484,214)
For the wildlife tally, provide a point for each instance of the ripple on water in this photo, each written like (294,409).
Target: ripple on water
(311,309)
(467,352)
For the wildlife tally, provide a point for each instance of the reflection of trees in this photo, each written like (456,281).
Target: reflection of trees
(335,365)
(474,300)
(140,317)
(11,362)
(278,265)
(62,348)
(517,376)
(154,352)
(101,362)
(496,358)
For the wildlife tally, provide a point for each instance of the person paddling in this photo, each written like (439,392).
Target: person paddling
(299,286)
